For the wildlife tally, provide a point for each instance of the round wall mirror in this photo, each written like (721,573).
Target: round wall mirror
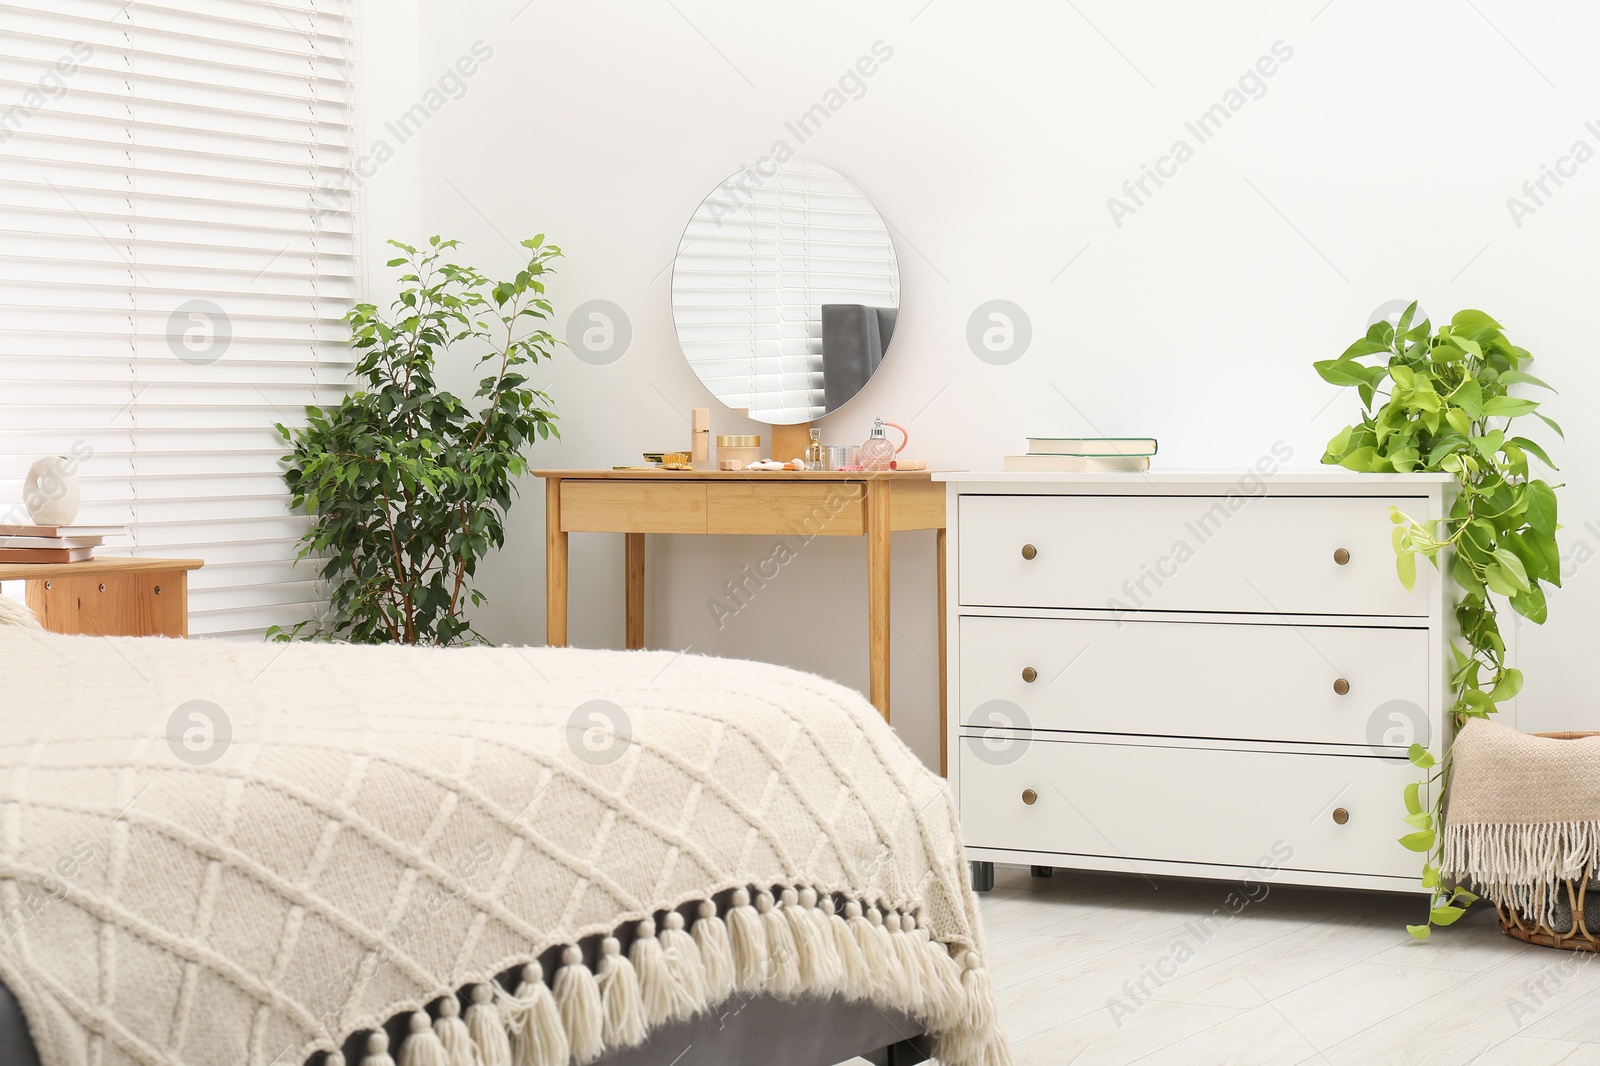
(785,292)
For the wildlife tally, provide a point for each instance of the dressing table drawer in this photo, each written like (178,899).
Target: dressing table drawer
(1324,813)
(1256,681)
(1233,553)
(630,507)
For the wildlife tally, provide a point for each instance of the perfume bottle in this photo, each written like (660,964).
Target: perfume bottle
(814,451)
(876,451)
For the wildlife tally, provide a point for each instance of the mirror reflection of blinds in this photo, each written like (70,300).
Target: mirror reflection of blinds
(756,264)
(183,151)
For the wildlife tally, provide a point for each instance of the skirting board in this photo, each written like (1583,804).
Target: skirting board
(1160,868)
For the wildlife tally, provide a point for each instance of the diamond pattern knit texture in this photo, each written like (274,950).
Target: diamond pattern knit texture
(226,854)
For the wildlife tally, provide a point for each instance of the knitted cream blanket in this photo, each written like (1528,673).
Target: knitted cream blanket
(240,855)
(1523,812)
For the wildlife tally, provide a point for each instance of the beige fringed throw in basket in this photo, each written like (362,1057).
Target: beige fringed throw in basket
(1523,813)
(236,855)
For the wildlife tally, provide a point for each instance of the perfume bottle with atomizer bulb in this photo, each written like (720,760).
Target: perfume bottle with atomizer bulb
(876,451)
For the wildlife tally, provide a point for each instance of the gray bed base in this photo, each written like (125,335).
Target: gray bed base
(761,1030)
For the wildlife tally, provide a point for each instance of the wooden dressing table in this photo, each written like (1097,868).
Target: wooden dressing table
(776,503)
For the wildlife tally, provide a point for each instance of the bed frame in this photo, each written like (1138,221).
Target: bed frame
(804,1032)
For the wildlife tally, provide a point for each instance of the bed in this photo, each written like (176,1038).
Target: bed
(216,853)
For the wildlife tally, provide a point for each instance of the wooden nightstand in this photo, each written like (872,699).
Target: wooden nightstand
(110,597)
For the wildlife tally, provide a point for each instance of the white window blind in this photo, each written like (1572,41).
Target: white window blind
(177,249)
(757,262)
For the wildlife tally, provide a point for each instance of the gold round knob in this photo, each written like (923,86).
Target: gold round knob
(1029,674)
(1341,555)
(1341,686)
(1029,551)
(1340,816)
(1030,797)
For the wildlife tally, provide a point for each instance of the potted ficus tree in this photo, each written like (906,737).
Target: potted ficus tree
(409,485)
(1439,400)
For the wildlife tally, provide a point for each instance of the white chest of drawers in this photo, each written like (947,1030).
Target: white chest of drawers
(1191,674)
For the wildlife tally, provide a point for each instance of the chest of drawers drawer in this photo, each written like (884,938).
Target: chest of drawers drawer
(1236,554)
(1216,807)
(1358,685)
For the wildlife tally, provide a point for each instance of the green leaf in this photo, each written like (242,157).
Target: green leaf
(1420,756)
(1543,547)
(1541,513)
(1368,345)
(1547,420)
(1363,460)
(1414,797)
(1473,322)
(1430,875)
(1488,445)
(1507,687)
(1445,915)
(1419,841)
(1341,372)
(1406,565)
(1531,605)
(1512,567)
(1534,449)
(1340,441)
(1509,406)
(1517,377)
(1404,325)
(1419,932)
(1419,820)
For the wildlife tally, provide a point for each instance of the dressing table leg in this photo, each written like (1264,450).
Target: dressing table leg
(555,567)
(878,632)
(944,686)
(635,558)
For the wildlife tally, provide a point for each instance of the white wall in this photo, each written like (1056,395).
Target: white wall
(388,172)
(1376,164)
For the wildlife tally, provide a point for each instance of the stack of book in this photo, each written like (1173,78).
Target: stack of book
(1123,455)
(52,544)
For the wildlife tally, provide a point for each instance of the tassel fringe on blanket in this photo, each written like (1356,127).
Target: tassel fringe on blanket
(789,943)
(1518,865)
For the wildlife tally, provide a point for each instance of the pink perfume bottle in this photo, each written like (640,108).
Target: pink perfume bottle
(876,451)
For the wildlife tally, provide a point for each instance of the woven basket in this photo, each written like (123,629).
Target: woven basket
(1576,910)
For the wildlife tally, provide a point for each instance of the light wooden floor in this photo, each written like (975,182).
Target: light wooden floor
(1301,976)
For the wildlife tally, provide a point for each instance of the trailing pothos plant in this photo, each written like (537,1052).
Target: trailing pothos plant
(409,485)
(1440,401)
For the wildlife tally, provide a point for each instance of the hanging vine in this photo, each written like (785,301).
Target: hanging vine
(1440,401)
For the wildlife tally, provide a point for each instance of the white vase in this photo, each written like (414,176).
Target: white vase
(51,491)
